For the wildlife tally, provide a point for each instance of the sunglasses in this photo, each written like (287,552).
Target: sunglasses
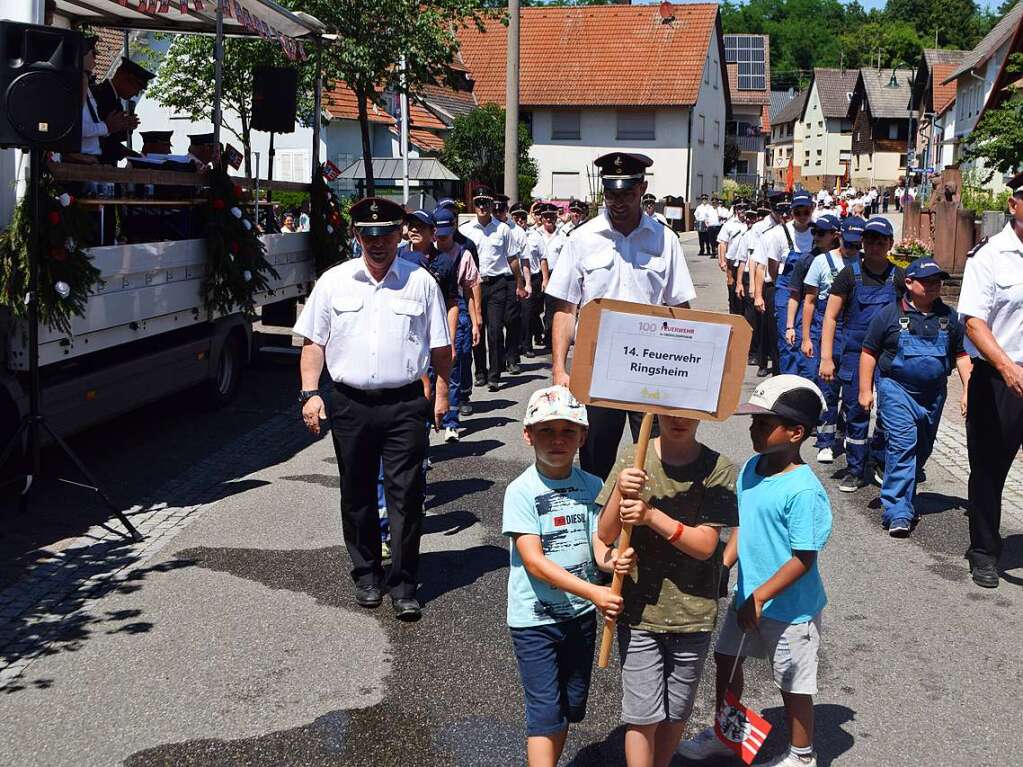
(852,245)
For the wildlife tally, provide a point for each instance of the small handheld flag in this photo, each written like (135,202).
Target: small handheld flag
(741,729)
(330,171)
(233,156)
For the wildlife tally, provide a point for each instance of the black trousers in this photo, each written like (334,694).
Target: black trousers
(751,314)
(501,320)
(994,435)
(599,452)
(367,428)
(704,237)
(530,324)
(734,303)
(767,351)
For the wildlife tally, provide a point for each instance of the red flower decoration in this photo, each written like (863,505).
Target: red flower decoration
(335,219)
(237,191)
(218,204)
(58,254)
(54,217)
(234,247)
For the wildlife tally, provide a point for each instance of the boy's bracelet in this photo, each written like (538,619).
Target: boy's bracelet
(678,533)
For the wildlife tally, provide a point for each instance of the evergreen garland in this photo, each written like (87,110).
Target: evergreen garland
(236,265)
(66,272)
(327,225)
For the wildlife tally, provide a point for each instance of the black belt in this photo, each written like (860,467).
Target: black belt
(489,280)
(400,394)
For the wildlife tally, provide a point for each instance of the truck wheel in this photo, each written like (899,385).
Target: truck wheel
(227,373)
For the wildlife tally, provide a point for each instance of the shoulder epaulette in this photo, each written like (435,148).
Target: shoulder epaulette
(972,251)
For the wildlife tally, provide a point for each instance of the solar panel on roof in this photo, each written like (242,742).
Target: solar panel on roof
(748,52)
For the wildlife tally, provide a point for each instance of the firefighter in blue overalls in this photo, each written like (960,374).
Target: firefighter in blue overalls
(912,346)
(859,292)
(826,232)
(816,285)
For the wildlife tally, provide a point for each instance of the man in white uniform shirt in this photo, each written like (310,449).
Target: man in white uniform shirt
(502,284)
(553,242)
(517,244)
(727,240)
(767,349)
(378,322)
(650,208)
(622,254)
(991,304)
(703,215)
(529,262)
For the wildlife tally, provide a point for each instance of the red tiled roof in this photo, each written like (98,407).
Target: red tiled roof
(424,139)
(620,55)
(109,49)
(340,101)
(944,93)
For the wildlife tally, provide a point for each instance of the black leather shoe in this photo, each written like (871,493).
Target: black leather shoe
(480,381)
(465,408)
(493,387)
(529,354)
(514,368)
(763,373)
(406,609)
(368,596)
(984,574)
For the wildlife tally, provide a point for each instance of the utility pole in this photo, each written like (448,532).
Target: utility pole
(511,114)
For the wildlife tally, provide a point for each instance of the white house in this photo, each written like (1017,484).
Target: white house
(748,60)
(827,129)
(933,106)
(598,79)
(975,79)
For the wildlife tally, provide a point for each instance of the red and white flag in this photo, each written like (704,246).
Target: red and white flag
(330,171)
(741,729)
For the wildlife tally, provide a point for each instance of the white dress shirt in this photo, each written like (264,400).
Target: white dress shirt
(757,231)
(724,214)
(535,246)
(552,245)
(646,266)
(774,246)
(92,127)
(993,291)
(377,335)
(516,240)
(493,245)
(729,235)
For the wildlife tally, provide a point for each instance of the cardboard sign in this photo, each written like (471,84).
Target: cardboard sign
(658,359)
(673,212)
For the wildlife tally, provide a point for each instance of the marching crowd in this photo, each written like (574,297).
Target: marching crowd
(837,326)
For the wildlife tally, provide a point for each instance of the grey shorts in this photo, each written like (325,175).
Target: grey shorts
(790,647)
(660,673)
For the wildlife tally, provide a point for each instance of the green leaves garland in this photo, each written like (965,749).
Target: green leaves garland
(236,265)
(66,272)
(327,226)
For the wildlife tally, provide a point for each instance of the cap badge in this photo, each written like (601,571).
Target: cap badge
(618,162)
(374,208)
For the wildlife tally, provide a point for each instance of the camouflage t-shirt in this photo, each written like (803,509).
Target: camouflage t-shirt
(670,591)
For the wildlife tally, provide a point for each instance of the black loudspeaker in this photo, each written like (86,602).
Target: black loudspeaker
(40,87)
(273,99)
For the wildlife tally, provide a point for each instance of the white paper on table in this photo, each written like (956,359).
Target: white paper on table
(662,361)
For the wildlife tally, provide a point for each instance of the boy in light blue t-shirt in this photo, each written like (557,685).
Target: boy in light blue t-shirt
(550,514)
(784,520)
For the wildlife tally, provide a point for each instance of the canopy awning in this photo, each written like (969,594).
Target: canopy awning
(419,169)
(242,18)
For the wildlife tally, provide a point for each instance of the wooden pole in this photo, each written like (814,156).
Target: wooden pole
(623,541)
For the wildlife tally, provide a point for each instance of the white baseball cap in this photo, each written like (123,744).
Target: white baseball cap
(787,396)
(555,403)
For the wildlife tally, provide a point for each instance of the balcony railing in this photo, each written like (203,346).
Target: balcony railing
(750,143)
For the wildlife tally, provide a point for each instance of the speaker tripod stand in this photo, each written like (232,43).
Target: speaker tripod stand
(34,422)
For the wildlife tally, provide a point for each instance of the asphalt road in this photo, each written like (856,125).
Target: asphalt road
(240,643)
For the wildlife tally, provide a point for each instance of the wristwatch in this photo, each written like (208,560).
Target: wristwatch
(307,394)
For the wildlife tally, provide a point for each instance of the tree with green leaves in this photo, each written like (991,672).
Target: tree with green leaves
(997,140)
(474,149)
(374,35)
(184,81)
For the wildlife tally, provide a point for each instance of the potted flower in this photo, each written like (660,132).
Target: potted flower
(909,250)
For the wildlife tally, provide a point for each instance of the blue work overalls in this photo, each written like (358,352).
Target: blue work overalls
(788,356)
(461,369)
(807,366)
(830,389)
(910,398)
(864,303)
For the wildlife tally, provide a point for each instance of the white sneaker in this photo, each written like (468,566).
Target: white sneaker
(451,435)
(704,745)
(825,455)
(788,759)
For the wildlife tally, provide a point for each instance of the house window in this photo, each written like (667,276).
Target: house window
(893,130)
(699,184)
(717,133)
(564,186)
(820,152)
(717,69)
(636,126)
(742,167)
(702,130)
(292,165)
(565,125)
(716,185)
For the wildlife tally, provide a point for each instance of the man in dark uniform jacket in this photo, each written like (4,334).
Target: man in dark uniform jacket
(128,82)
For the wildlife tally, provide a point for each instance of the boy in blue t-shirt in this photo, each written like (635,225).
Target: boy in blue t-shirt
(550,513)
(784,520)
